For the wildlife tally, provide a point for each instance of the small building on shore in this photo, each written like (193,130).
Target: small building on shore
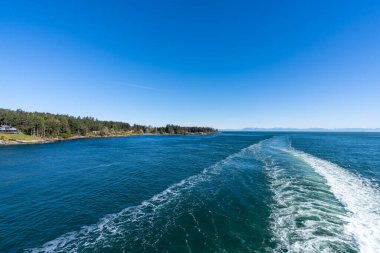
(8,129)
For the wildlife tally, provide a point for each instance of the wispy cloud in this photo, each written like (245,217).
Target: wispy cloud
(139,86)
(131,85)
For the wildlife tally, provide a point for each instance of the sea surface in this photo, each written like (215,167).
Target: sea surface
(228,192)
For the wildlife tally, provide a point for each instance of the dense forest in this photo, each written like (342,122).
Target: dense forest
(56,125)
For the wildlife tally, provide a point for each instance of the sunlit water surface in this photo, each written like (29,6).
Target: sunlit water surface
(230,192)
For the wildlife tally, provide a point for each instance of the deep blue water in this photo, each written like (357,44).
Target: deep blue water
(230,192)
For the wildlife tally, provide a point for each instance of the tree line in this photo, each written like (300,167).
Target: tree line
(55,125)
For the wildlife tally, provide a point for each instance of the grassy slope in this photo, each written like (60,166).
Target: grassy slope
(6,138)
(22,137)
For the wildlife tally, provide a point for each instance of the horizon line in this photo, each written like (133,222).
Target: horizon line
(310,129)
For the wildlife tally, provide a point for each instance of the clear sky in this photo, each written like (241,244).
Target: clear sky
(225,64)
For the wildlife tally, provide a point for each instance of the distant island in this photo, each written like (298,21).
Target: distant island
(37,127)
(283,129)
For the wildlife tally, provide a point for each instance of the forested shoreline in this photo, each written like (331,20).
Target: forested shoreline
(65,126)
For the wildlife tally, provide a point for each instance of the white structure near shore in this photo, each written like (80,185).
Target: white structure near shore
(8,129)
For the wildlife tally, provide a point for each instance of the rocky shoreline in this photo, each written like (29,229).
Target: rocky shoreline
(51,140)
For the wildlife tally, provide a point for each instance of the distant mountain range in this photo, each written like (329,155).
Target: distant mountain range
(284,129)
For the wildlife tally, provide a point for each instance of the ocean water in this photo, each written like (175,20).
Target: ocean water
(229,192)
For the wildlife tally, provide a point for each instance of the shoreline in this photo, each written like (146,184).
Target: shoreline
(79,137)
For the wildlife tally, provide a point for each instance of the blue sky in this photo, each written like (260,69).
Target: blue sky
(226,64)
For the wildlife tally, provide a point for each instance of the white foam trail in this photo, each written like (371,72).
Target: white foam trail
(359,196)
(140,218)
(305,216)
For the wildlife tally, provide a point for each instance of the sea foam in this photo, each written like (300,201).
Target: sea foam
(137,223)
(305,215)
(358,195)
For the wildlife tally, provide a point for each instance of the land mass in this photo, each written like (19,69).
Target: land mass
(279,129)
(37,127)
